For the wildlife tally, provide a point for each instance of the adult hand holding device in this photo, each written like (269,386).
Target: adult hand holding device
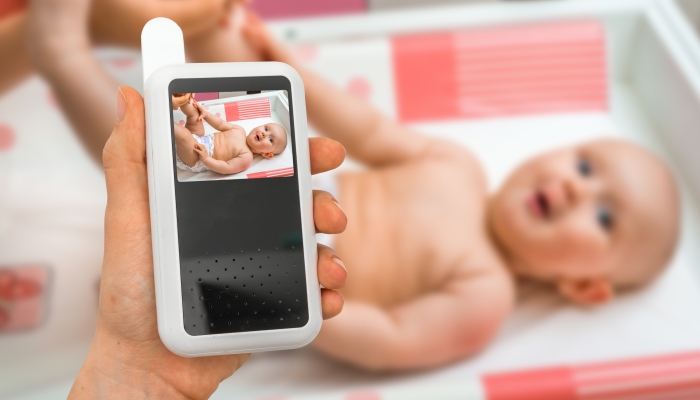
(127,358)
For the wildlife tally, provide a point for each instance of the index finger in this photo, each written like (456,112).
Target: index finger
(326,154)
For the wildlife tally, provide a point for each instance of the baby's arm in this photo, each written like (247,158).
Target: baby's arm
(431,330)
(235,165)
(215,122)
(368,136)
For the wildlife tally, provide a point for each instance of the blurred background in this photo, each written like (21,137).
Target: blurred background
(485,73)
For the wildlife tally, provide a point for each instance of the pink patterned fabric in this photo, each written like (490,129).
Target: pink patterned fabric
(534,69)
(237,111)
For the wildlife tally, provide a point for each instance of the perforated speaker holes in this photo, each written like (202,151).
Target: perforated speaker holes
(219,298)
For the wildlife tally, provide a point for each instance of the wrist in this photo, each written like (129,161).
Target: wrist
(118,372)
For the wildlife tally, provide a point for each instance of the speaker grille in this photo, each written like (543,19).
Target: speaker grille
(245,291)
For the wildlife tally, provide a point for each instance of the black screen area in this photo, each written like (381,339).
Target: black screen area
(240,241)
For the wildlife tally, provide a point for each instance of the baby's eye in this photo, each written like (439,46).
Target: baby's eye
(583,167)
(270,139)
(265,129)
(605,218)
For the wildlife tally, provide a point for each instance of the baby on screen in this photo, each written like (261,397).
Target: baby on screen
(229,150)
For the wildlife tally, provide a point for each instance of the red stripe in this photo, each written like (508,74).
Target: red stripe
(595,373)
(504,71)
(543,384)
(274,173)
(672,377)
(664,385)
(420,96)
(249,109)
(631,379)
(231,111)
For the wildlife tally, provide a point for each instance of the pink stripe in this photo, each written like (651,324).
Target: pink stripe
(231,111)
(541,384)
(303,8)
(681,394)
(272,173)
(250,109)
(656,378)
(631,379)
(502,71)
(653,365)
(203,96)
(656,385)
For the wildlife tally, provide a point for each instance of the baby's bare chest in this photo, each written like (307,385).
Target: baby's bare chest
(410,229)
(229,144)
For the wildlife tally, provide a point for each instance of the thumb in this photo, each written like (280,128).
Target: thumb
(127,265)
(124,160)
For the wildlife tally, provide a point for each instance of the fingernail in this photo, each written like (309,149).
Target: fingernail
(339,262)
(338,204)
(121,105)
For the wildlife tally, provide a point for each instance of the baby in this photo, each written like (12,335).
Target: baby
(228,151)
(433,257)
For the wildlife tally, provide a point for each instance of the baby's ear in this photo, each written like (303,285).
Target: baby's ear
(588,292)
(267,155)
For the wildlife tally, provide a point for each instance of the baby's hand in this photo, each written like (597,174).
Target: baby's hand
(202,111)
(202,151)
(180,99)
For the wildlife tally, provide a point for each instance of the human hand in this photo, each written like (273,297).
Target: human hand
(180,99)
(127,358)
(200,109)
(202,151)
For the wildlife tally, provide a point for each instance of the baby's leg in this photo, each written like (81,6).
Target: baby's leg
(184,145)
(193,123)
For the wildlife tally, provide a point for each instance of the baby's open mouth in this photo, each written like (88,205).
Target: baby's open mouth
(539,204)
(257,137)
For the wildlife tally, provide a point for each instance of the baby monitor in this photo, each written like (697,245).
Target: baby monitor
(234,247)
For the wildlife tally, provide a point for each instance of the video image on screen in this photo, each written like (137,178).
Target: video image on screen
(232,135)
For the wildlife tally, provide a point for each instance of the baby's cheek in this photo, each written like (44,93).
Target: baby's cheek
(581,241)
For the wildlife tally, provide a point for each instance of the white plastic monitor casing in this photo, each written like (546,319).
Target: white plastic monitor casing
(164,220)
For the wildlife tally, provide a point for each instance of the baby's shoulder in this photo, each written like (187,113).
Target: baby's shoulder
(492,282)
(455,159)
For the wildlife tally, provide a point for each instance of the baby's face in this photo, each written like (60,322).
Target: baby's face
(268,140)
(603,210)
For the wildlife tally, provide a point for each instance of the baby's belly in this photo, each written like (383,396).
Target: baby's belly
(227,145)
(401,241)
